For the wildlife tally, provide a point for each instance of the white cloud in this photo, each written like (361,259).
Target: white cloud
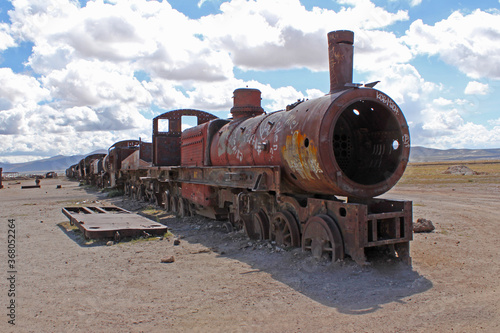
(467,135)
(442,121)
(84,94)
(18,90)
(494,122)
(441,125)
(476,88)
(442,102)
(291,38)
(470,42)
(375,51)
(6,40)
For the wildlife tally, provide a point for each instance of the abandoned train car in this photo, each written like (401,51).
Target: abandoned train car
(304,176)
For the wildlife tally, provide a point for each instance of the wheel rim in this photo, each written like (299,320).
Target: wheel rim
(322,237)
(174,204)
(166,201)
(284,229)
(257,227)
(140,193)
(183,207)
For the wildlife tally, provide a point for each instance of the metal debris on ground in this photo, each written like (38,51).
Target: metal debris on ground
(111,222)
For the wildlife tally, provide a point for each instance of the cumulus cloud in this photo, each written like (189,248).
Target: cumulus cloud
(470,42)
(85,93)
(476,88)
(375,51)
(291,38)
(441,124)
(466,135)
(20,90)
(6,40)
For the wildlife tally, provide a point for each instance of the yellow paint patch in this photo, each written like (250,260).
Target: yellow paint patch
(301,159)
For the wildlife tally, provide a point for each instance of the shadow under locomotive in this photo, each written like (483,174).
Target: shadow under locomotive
(346,286)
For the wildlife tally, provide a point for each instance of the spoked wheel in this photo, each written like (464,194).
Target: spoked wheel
(227,227)
(157,199)
(151,197)
(141,193)
(166,200)
(137,193)
(174,204)
(183,208)
(284,229)
(257,227)
(322,237)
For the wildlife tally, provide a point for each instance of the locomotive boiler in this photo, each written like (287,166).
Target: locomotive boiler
(352,142)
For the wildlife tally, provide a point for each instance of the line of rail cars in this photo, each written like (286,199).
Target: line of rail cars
(305,176)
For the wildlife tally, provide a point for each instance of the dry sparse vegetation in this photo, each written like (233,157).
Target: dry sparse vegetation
(433,173)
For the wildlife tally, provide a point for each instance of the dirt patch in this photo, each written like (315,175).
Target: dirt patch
(222,281)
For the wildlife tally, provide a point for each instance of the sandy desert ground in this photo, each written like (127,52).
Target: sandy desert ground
(223,282)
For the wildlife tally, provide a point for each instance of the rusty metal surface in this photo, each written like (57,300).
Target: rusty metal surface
(351,142)
(112,162)
(203,195)
(118,152)
(134,162)
(1,185)
(106,222)
(193,143)
(146,151)
(246,103)
(340,54)
(86,171)
(251,178)
(196,142)
(167,144)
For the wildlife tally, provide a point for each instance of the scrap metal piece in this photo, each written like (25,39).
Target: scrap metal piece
(110,221)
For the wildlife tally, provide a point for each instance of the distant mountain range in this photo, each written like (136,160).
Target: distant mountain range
(57,163)
(422,154)
(60,163)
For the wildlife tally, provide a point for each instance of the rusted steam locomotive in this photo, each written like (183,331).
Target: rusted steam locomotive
(304,176)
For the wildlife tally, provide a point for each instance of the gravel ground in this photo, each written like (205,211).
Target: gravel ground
(223,282)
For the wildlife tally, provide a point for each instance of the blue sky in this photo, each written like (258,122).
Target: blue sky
(77,76)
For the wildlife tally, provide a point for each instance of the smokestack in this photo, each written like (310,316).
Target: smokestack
(340,53)
(246,103)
